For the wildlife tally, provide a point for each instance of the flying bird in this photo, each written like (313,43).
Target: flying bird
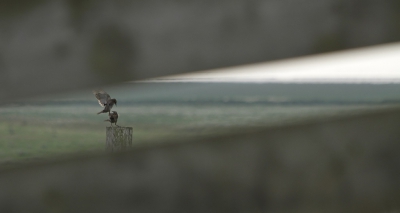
(104,100)
(113,117)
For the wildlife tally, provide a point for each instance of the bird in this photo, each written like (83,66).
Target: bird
(113,118)
(104,100)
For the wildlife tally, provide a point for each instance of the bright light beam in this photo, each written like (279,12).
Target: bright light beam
(376,65)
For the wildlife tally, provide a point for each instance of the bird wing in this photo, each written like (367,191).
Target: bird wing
(102,97)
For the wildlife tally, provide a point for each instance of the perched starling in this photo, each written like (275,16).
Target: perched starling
(105,101)
(113,117)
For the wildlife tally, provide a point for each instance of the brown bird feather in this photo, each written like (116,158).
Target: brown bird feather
(104,100)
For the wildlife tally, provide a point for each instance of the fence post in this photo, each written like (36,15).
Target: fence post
(118,138)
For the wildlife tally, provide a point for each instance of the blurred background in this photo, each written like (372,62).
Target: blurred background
(185,72)
(213,102)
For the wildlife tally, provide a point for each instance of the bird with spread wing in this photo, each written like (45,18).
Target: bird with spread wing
(113,118)
(104,100)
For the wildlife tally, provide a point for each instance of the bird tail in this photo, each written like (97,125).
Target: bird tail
(99,112)
(108,120)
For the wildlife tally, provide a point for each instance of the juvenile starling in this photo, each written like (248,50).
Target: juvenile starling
(113,117)
(104,100)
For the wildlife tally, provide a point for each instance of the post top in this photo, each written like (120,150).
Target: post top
(121,127)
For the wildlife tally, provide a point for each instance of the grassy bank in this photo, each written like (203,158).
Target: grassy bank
(50,126)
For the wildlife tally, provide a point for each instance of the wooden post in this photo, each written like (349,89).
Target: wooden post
(118,138)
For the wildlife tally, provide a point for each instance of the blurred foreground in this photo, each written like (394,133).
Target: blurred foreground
(331,165)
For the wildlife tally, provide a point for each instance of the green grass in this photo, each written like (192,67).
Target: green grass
(54,126)
(21,141)
(31,132)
